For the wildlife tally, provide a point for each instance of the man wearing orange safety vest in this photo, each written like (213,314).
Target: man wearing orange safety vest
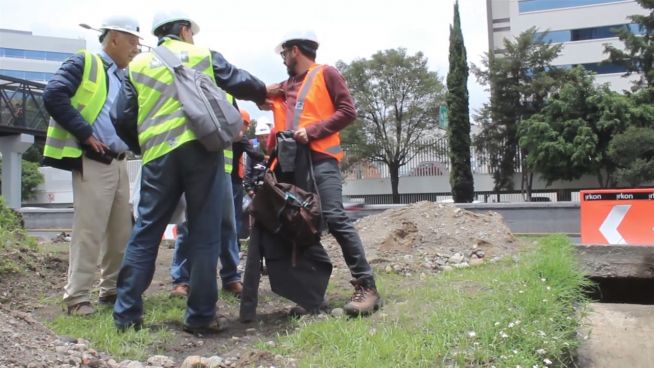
(315,103)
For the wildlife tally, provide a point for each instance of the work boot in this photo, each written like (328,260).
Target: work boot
(219,324)
(364,301)
(82,309)
(234,288)
(180,291)
(107,300)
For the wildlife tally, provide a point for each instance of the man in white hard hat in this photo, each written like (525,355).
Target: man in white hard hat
(316,104)
(82,138)
(149,117)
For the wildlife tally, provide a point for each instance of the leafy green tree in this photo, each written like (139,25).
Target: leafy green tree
(31,178)
(570,137)
(458,130)
(638,53)
(633,152)
(397,98)
(520,79)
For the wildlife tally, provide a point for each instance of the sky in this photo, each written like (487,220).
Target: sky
(247,31)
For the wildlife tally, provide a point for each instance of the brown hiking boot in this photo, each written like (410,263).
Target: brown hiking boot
(234,288)
(364,301)
(82,309)
(219,324)
(180,291)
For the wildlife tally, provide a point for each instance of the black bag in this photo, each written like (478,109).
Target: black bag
(285,209)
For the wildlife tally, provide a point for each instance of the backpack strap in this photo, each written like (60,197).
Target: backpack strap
(167,57)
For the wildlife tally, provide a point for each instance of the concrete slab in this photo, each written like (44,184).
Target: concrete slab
(617,261)
(617,335)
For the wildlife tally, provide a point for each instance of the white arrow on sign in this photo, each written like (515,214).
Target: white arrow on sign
(610,225)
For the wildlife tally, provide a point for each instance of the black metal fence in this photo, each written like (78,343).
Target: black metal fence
(431,161)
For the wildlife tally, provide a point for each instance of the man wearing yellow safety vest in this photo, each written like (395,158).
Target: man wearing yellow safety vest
(81,138)
(316,104)
(149,117)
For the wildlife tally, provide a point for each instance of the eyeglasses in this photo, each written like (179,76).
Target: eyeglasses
(284,53)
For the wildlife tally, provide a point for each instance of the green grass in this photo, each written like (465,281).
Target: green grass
(505,314)
(16,247)
(100,331)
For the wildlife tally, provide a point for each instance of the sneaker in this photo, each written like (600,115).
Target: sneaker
(234,288)
(364,301)
(219,324)
(136,325)
(107,300)
(180,291)
(82,309)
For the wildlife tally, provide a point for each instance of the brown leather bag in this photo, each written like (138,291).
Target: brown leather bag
(285,209)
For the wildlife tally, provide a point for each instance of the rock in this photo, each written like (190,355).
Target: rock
(194,361)
(161,360)
(448,268)
(388,269)
(337,312)
(80,347)
(251,331)
(134,364)
(456,258)
(112,363)
(462,265)
(61,349)
(271,343)
(397,268)
(214,361)
(476,261)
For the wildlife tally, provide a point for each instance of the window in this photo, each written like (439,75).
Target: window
(34,54)
(592,33)
(598,68)
(538,5)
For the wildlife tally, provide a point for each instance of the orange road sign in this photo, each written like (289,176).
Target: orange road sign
(617,216)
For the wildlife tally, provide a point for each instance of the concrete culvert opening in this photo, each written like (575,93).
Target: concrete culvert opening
(626,290)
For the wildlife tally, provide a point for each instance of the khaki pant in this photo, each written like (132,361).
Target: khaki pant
(101,228)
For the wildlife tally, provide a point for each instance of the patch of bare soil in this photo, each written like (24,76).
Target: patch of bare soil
(430,236)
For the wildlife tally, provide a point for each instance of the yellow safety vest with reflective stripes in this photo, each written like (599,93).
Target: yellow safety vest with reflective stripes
(162,125)
(88,100)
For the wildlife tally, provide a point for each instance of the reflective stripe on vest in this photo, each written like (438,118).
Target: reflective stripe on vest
(162,125)
(313,104)
(228,152)
(89,99)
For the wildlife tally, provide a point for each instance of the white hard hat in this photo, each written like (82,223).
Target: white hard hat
(263,126)
(123,23)
(297,35)
(172,15)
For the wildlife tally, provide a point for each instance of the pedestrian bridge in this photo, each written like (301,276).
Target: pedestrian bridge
(21,108)
(23,121)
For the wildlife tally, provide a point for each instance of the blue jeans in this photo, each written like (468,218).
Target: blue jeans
(229,259)
(330,189)
(199,175)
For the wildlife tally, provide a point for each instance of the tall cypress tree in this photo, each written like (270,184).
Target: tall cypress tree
(458,130)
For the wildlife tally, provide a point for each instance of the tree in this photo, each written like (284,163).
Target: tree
(570,137)
(520,79)
(633,152)
(31,178)
(458,130)
(397,98)
(638,53)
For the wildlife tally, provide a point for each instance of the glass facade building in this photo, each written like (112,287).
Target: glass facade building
(525,6)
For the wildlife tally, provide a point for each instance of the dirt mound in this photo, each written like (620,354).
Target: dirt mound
(430,236)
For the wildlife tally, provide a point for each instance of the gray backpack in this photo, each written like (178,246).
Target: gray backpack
(213,119)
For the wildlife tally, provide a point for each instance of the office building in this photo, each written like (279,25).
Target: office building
(582,26)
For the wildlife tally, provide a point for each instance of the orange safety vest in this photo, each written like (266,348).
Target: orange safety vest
(314,104)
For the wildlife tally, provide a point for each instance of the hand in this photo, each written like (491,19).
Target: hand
(96,145)
(300,135)
(274,90)
(266,106)
(251,193)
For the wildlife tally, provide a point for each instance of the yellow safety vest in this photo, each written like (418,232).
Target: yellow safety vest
(228,152)
(88,100)
(162,125)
